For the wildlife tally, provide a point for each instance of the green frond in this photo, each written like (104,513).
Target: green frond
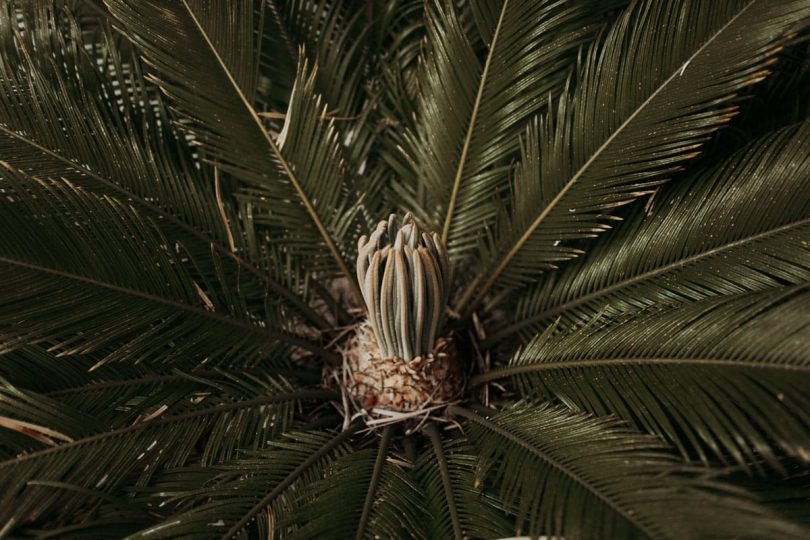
(29,421)
(374,481)
(116,394)
(361,495)
(63,115)
(332,506)
(100,462)
(209,86)
(65,279)
(333,35)
(264,483)
(398,510)
(781,94)
(92,118)
(31,367)
(110,518)
(621,129)
(183,184)
(279,45)
(358,47)
(308,140)
(121,400)
(787,495)
(471,111)
(725,377)
(569,474)
(479,513)
(447,482)
(740,226)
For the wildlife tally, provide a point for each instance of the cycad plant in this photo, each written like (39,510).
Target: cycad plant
(404,269)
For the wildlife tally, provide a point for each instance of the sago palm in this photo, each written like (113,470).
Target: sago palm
(404,269)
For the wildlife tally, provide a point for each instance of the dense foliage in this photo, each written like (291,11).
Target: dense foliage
(623,188)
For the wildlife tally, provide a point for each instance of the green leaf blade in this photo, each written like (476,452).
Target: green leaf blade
(740,226)
(626,131)
(568,473)
(722,378)
(206,88)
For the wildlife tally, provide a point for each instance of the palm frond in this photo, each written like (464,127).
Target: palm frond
(209,86)
(122,400)
(781,94)
(787,495)
(182,183)
(110,518)
(470,112)
(62,116)
(478,512)
(333,35)
(31,366)
(740,226)
(447,482)
(374,481)
(66,279)
(359,47)
(116,395)
(726,376)
(332,506)
(309,140)
(361,495)
(93,464)
(621,129)
(34,422)
(100,392)
(259,484)
(566,473)
(93,119)
(397,511)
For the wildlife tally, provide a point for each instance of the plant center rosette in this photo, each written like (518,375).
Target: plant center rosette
(398,365)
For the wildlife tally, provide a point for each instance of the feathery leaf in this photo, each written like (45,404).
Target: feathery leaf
(237,492)
(100,462)
(93,119)
(570,474)
(621,129)
(209,86)
(334,507)
(740,226)
(726,376)
(470,113)
(65,278)
(310,141)
(479,512)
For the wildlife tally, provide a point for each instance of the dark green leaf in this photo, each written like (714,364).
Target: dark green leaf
(727,376)
(623,127)
(569,474)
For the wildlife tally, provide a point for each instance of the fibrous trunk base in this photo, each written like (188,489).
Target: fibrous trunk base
(393,384)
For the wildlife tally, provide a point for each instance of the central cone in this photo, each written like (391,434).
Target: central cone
(398,359)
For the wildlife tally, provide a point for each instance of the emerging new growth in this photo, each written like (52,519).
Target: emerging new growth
(398,360)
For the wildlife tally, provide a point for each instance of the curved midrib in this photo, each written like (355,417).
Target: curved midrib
(444,472)
(288,295)
(306,375)
(451,206)
(313,213)
(650,274)
(255,402)
(581,171)
(374,482)
(550,460)
(510,371)
(279,488)
(174,304)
